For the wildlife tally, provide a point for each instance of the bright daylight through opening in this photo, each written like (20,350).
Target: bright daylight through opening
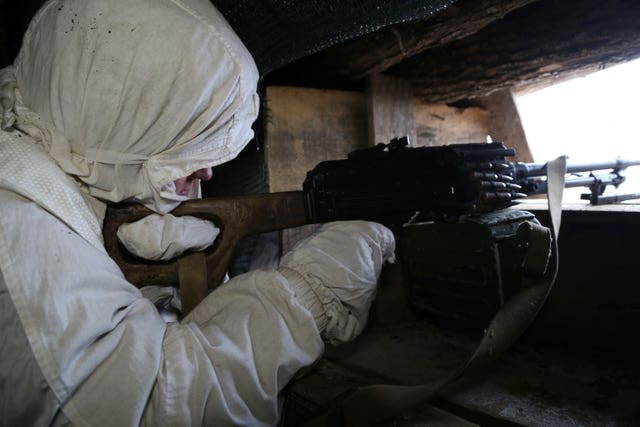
(592,118)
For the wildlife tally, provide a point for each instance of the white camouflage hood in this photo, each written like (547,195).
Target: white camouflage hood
(130,96)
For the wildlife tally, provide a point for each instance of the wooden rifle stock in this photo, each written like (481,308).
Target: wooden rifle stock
(236,217)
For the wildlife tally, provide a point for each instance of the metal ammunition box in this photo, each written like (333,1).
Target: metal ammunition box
(462,273)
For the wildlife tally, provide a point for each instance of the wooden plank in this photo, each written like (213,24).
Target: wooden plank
(505,124)
(440,124)
(306,126)
(391,110)
(541,204)
(192,276)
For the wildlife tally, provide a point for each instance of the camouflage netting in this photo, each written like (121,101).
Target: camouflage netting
(278,32)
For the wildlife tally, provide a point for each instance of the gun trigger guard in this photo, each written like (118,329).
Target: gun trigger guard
(538,249)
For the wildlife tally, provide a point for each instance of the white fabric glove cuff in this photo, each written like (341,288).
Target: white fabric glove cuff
(336,270)
(307,296)
(335,322)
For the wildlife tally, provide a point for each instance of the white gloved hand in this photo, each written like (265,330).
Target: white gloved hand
(163,237)
(334,275)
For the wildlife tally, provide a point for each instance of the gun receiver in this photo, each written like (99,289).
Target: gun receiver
(388,183)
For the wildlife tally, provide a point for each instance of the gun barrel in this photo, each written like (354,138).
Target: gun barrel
(617,165)
(524,170)
(612,198)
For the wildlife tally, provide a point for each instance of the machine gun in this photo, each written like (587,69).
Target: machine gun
(463,258)
(389,183)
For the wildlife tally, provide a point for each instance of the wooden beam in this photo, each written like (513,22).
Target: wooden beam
(390,106)
(306,126)
(440,124)
(545,40)
(505,124)
(376,52)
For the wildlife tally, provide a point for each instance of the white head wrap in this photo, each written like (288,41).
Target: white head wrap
(131,95)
